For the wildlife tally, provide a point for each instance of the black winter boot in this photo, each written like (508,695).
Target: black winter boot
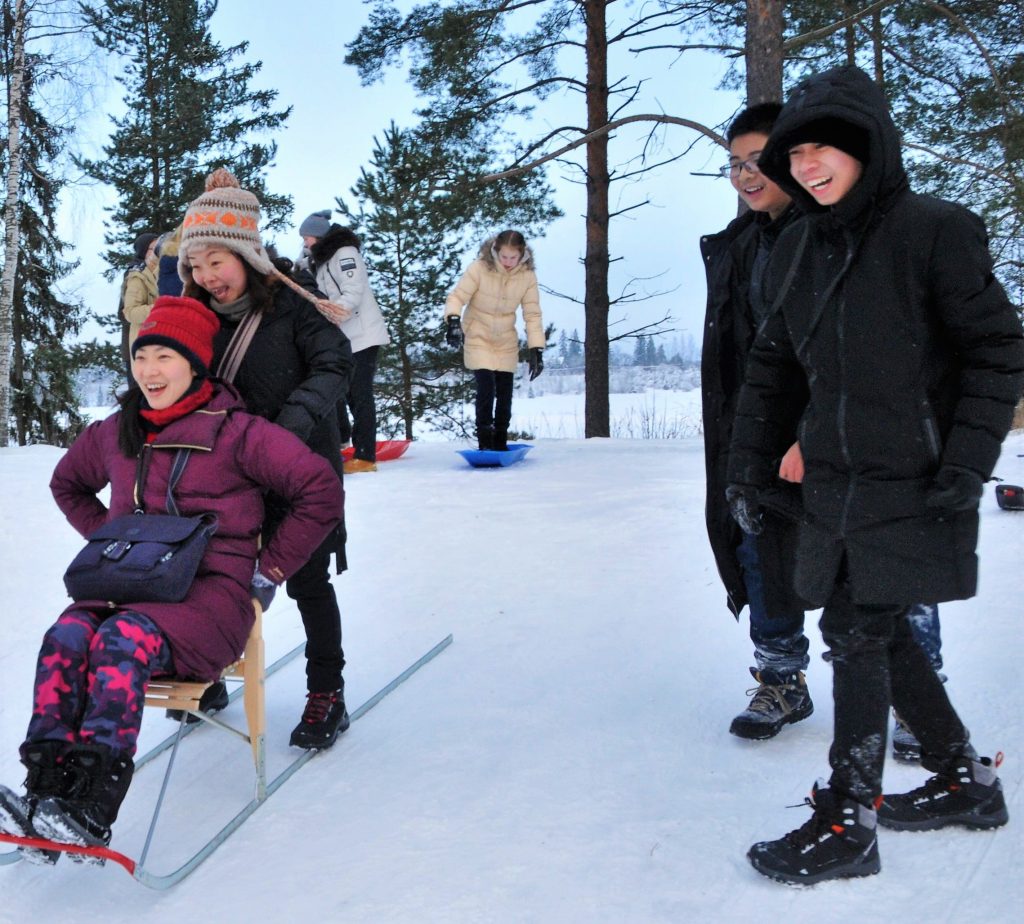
(905,745)
(778,701)
(98,780)
(324,718)
(485,437)
(214,698)
(837,842)
(501,439)
(965,792)
(44,761)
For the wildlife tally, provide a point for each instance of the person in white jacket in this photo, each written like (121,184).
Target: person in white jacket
(334,259)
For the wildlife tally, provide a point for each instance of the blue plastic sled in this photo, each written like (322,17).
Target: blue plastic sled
(492,458)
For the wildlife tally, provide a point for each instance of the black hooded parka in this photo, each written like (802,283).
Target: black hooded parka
(729,329)
(890,317)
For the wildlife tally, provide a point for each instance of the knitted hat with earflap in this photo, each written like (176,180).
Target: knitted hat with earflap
(224,216)
(183,324)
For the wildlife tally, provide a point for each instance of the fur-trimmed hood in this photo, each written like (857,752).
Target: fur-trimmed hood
(489,255)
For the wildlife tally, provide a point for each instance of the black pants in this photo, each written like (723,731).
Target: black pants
(493,399)
(310,587)
(877,663)
(360,402)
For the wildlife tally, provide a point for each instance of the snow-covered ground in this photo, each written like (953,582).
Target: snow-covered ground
(566,759)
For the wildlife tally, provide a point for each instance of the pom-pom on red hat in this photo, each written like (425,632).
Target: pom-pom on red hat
(183,324)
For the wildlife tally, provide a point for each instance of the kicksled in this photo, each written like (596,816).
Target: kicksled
(265,788)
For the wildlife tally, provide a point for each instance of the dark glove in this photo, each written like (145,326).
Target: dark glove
(453,335)
(955,488)
(262,588)
(745,508)
(536,362)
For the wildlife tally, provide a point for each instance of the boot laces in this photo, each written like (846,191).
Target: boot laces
(768,697)
(318,705)
(45,778)
(812,830)
(79,782)
(940,784)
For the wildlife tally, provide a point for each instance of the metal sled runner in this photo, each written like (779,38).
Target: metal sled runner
(183,695)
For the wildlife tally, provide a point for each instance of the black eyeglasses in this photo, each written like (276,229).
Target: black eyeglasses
(730,170)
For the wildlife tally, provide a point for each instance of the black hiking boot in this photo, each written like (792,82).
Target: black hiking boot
(16,818)
(967,792)
(214,698)
(485,437)
(98,780)
(44,761)
(905,745)
(325,717)
(837,842)
(778,701)
(501,439)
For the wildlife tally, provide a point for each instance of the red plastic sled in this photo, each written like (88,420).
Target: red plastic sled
(386,450)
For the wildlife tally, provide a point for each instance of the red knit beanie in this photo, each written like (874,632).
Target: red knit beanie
(183,324)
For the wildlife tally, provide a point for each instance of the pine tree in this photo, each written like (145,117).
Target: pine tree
(190,108)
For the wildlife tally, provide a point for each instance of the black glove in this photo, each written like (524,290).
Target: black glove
(262,588)
(955,488)
(745,508)
(453,335)
(536,362)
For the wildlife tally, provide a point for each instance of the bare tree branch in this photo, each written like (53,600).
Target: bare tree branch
(604,130)
(815,35)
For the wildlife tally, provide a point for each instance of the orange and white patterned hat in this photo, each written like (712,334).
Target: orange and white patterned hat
(224,216)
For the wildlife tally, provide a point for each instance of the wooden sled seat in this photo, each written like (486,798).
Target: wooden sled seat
(250,669)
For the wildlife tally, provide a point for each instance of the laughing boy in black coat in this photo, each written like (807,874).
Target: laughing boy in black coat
(913,358)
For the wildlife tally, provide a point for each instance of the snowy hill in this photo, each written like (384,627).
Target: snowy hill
(565,760)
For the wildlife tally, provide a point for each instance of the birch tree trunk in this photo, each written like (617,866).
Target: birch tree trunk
(12,231)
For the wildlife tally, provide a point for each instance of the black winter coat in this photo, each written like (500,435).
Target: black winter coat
(913,357)
(294,372)
(729,329)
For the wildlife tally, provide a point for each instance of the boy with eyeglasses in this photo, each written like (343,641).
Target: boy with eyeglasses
(756,570)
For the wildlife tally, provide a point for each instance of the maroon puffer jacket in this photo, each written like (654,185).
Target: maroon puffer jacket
(235,458)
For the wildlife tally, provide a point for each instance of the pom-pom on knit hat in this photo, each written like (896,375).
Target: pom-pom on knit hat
(183,324)
(224,216)
(317,225)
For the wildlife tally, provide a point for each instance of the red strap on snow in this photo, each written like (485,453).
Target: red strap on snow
(42,844)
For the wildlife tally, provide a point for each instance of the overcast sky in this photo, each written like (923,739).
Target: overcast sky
(329,136)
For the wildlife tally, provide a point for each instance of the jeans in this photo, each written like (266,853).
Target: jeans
(310,587)
(877,663)
(493,399)
(779,641)
(360,401)
(924,623)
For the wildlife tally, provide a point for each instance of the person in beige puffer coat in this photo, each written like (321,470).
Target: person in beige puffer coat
(140,285)
(499,281)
